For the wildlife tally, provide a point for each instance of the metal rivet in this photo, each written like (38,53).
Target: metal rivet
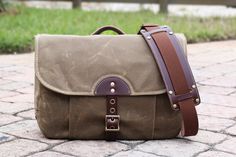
(170,92)
(112,84)
(175,106)
(112,119)
(149,37)
(112,110)
(194,86)
(197,100)
(164,26)
(143,31)
(112,101)
(171,33)
(113,90)
(112,127)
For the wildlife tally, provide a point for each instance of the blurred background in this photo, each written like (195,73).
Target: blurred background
(199,20)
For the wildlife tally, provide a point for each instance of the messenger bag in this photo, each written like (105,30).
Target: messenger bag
(129,87)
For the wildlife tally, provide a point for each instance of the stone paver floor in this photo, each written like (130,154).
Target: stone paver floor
(214,66)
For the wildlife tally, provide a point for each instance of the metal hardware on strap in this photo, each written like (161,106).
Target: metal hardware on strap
(181,97)
(112,119)
(164,29)
(112,123)
(176,74)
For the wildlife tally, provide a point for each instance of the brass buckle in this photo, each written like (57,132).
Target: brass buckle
(115,120)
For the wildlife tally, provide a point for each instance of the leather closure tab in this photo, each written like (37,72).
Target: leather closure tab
(112,119)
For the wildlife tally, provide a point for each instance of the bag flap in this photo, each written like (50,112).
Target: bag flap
(74,65)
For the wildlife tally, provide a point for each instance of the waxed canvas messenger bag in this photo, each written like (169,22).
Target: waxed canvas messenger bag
(115,86)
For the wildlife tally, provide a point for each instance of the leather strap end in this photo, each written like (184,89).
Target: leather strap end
(189,116)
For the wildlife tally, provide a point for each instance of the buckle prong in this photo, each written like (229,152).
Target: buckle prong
(115,120)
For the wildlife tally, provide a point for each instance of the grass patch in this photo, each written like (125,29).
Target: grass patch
(19,25)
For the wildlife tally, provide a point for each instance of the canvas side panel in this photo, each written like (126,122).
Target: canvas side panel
(167,121)
(51,112)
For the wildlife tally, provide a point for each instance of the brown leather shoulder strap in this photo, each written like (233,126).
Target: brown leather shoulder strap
(176,74)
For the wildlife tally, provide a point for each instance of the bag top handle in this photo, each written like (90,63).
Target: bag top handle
(110,28)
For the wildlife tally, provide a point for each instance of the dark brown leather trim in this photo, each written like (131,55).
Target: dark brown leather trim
(165,29)
(147,25)
(189,116)
(112,86)
(159,61)
(176,74)
(178,98)
(186,68)
(106,28)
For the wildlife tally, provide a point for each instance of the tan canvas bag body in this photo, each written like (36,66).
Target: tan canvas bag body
(115,86)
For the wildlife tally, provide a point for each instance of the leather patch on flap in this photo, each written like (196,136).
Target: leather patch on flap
(112,86)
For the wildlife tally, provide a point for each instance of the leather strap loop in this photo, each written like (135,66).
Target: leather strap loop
(176,74)
(108,28)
